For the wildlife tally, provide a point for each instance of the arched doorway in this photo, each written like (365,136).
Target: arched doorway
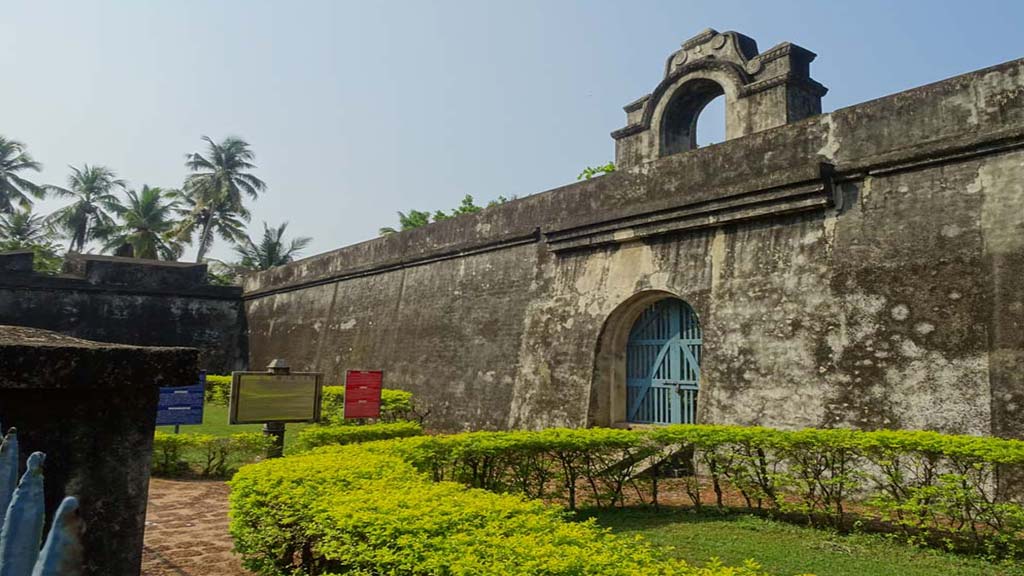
(663,364)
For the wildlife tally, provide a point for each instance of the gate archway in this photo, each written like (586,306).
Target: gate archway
(663,364)
(625,344)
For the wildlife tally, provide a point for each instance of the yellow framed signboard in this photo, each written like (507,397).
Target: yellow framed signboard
(262,397)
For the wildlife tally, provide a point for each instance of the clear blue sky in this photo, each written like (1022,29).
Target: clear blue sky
(358,109)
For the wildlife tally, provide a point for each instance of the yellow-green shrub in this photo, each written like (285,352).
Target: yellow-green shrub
(353,510)
(932,485)
(218,389)
(316,436)
(212,456)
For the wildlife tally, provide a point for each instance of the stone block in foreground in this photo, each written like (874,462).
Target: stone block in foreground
(91,407)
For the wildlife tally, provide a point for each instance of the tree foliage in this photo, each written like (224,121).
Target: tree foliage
(89,216)
(272,250)
(145,225)
(216,189)
(151,223)
(415,218)
(15,189)
(24,230)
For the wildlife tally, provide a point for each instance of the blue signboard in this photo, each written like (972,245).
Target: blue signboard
(181,404)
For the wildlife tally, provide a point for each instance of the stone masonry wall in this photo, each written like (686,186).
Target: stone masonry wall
(129,301)
(860,268)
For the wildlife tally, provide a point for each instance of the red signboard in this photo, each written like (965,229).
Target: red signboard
(362,393)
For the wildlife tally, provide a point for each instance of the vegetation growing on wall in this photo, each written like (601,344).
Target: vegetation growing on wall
(416,218)
(591,171)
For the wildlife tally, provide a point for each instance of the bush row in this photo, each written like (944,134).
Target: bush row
(929,485)
(218,389)
(316,436)
(354,510)
(216,455)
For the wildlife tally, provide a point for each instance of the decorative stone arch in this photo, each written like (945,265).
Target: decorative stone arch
(608,385)
(761,91)
(676,117)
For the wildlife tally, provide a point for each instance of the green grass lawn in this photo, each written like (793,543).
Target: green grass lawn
(215,422)
(784,549)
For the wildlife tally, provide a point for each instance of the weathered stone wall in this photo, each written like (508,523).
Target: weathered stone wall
(859,268)
(128,301)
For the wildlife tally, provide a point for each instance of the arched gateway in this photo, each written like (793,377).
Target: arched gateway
(648,363)
(663,364)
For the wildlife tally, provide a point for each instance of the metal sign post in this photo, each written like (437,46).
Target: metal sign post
(273,398)
(276,429)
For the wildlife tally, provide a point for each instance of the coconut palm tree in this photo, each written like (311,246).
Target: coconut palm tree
(21,229)
(146,221)
(88,217)
(217,219)
(272,249)
(14,188)
(218,184)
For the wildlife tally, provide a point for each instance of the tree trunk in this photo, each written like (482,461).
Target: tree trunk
(204,240)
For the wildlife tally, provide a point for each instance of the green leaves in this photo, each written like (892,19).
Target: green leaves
(145,224)
(214,192)
(15,189)
(272,249)
(317,436)
(416,218)
(216,454)
(591,171)
(456,504)
(360,510)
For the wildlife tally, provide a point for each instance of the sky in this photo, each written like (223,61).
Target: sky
(356,110)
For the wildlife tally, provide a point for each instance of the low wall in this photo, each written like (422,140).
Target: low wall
(128,301)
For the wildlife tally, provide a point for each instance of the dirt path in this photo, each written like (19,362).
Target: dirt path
(187,530)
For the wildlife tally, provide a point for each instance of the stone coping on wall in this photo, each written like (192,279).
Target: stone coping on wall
(31,358)
(977,113)
(92,273)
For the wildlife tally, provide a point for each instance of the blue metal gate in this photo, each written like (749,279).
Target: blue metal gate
(663,365)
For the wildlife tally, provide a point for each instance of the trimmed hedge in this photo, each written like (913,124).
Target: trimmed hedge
(216,455)
(434,504)
(395,405)
(317,436)
(355,510)
(218,389)
(935,487)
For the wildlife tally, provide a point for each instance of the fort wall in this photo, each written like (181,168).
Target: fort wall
(859,268)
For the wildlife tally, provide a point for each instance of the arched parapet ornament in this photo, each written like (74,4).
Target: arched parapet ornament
(761,90)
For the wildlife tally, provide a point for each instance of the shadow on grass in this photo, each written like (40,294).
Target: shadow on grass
(644,517)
